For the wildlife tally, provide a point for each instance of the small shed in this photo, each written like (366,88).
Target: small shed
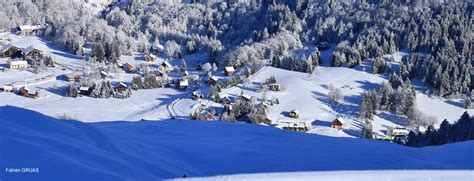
(84,90)
(150,57)
(167,65)
(226,100)
(212,80)
(246,97)
(183,84)
(103,74)
(206,115)
(274,87)
(8,88)
(197,95)
(23,90)
(338,123)
(229,70)
(294,114)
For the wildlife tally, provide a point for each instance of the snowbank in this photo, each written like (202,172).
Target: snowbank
(150,150)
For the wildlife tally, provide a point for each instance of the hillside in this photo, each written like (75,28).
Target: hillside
(149,150)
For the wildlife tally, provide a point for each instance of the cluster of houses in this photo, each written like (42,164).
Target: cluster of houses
(21,90)
(20,58)
(304,126)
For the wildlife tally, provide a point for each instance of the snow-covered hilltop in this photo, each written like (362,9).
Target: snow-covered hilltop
(150,150)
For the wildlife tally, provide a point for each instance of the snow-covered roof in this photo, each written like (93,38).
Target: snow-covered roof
(214,78)
(84,88)
(25,88)
(123,84)
(341,120)
(30,27)
(7,87)
(183,83)
(29,49)
(7,46)
(21,62)
(152,55)
(167,64)
(157,45)
(246,96)
(229,69)
(103,72)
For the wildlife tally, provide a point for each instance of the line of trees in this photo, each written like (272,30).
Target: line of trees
(461,130)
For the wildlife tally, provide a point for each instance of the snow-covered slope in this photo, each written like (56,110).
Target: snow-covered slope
(150,150)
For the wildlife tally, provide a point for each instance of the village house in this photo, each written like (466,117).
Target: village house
(298,126)
(84,90)
(28,29)
(8,88)
(226,100)
(397,131)
(229,71)
(121,87)
(197,95)
(167,66)
(157,47)
(10,51)
(274,87)
(183,84)
(206,115)
(267,120)
(23,90)
(128,67)
(31,52)
(150,57)
(294,114)
(212,80)
(72,77)
(246,97)
(185,73)
(338,123)
(17,65)
(159,73)
(103,74)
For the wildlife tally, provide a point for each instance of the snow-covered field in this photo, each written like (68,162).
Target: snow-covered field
(308,94)
(153,150)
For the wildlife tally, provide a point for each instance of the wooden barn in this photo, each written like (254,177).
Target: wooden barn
(338,123)
(10,51)
(246,97)
(72,77)
(167,66)
(229,70)
(212,80)
(294,114)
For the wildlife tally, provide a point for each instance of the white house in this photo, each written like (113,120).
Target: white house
(17,65)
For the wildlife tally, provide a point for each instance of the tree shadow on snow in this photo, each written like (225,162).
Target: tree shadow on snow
(455,103)
(393,118)
(366,85)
